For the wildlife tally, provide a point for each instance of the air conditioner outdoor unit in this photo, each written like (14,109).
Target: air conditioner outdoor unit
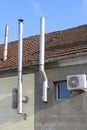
(76,82)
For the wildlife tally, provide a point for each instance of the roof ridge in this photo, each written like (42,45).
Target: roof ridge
(70,28)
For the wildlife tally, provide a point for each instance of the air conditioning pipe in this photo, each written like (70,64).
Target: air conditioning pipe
(20,46)
(6,43)
(42,57)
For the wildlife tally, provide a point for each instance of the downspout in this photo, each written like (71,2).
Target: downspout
(6,43)
(41,61)
(20,44)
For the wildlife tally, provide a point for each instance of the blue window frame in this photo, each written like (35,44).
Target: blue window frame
(61,91)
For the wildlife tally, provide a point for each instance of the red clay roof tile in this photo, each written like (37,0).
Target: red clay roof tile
(58,44)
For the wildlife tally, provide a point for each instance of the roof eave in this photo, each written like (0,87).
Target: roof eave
(46,61)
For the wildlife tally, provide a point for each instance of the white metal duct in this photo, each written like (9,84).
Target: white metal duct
(6,44)
(42,57)
(20,44)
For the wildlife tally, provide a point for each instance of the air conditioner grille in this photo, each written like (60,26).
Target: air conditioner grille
(73,82)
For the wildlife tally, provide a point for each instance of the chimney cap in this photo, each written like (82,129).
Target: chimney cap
(20,20)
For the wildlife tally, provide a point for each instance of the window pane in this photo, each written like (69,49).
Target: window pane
(63,92)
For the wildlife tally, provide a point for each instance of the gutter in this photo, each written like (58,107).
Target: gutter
(46,61)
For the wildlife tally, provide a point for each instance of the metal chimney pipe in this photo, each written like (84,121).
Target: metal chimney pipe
(6,43)
(42,57)
(20,44)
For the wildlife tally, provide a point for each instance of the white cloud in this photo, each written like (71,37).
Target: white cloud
(36,7)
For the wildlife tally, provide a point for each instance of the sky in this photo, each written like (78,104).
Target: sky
(59,15)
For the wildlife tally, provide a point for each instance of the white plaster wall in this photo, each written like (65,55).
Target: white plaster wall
(9,118)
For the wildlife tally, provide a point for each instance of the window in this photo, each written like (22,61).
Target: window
(61,91)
